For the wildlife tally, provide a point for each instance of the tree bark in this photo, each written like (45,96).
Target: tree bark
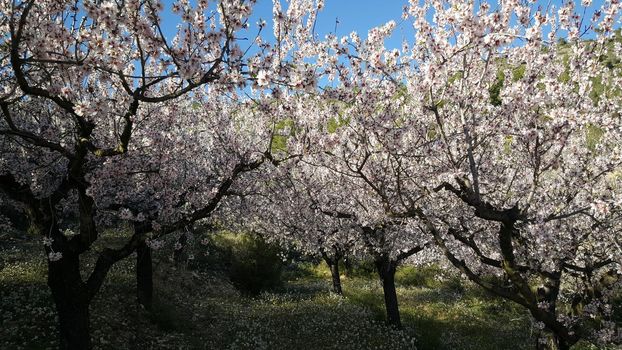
(334,271)
(72,302)
(386,270)
(144,276)
(333,264)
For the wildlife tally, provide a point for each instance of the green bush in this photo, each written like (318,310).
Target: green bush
(168,318)
(364,268)
(424,276)
(251,264)
(454,285)
(215,255)
(255,265)
(305,269)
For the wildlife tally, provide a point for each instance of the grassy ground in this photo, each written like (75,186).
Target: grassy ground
(447,314)
(202,310)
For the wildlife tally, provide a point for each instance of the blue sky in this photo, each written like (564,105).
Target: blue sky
(353,15)
(357,15)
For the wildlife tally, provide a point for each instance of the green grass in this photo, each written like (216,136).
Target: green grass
(441,318)
(200,309)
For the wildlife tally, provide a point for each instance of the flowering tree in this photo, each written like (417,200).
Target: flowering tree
(346,185)
(495,138)
(388,240)
(487,133)
(525,155)
(85,89)
(284,210)
(161,192)
(358,142)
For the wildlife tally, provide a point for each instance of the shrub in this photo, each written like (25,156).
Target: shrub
(255,264)
(454,285)
(364,268)
(428,276)
(167,317)
(305,269)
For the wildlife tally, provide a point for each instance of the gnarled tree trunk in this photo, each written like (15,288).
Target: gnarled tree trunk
(334,271)
(386,270)
(144,266)
(333,264)
(72,302)
(144,276)
(72,295)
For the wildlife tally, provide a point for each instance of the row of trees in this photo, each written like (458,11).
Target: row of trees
(483,140)
(105,116)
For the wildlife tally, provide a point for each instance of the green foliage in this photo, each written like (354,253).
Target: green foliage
(251,264)
(402,93)
(609,59)
(616,314)
(442,319)
(598,89)
(495,89)
(432,133)
(336,123)
(332,125)
(283,131)
(255,265)
(518,72)
(453,285)
(593,135)
(426,276)
(507,144)
(279,143)
(565,76)
(362,268)
(456,76)
(364,292)
(305,270)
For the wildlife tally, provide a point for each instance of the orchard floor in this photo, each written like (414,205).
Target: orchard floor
(202,310)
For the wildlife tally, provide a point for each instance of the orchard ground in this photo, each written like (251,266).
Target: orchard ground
(201,309)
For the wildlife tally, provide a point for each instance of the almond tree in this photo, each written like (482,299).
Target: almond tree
(361,150)
(283,209)
(496,138)
(79,79)
(388,240)
(526,157)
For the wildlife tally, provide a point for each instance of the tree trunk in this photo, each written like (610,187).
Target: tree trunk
(334,271)
(386,270)
(72,302)
(144,276)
